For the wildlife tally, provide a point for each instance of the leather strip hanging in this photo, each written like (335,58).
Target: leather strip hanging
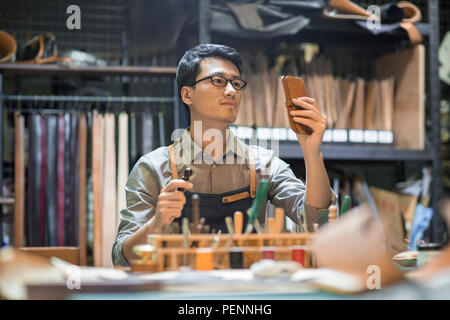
(67,177)
(89,189)
(33,217)
(73,214)
(61,183)
(43,178)
(122,167)
(147,133)
(82,153)
(133,144)
(51,236)
(109,192)
(97,174)
(19,179)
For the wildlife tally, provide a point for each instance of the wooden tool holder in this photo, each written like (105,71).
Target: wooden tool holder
(171,252)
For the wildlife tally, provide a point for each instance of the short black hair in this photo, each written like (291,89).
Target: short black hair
(189,65)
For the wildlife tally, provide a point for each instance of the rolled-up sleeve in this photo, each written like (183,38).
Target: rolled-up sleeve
(289,193)
(141,190)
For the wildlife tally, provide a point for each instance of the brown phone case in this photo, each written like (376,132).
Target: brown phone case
(294,87)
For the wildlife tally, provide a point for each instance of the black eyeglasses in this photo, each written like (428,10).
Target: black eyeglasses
(219,81)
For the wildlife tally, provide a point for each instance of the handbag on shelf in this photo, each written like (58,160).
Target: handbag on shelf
(39,50)
(8,47)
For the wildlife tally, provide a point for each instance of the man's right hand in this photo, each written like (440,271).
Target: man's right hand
(171,202)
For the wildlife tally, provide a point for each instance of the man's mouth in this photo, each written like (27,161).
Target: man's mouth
(228,103)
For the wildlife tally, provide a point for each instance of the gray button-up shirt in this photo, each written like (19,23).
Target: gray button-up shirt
(229,171)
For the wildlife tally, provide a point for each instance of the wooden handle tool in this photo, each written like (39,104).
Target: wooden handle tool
(271,226)
(279,220)
(238,222)
(229,222)
(196,212)
(186,176)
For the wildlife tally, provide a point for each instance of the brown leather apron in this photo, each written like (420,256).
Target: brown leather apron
(216,207)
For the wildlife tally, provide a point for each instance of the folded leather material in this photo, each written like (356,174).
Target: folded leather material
(67,177)
(19,179)
(60,181)
(73,207)
(43,178)
(33,203)
(224,20)
(51,182)
(82,156)
(313,7)
(269,19)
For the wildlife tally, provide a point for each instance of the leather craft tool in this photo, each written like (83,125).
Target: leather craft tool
(260,198)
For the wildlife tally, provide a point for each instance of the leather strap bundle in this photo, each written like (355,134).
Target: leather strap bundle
(40,49)
(403,13)
(274,18)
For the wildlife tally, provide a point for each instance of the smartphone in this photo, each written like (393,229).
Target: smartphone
(294,87)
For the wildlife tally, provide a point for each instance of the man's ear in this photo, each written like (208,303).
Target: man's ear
(186,95)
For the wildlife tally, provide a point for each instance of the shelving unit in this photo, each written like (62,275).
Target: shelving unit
(346,33)
(318,31)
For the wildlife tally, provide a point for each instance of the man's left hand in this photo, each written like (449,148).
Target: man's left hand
(309,116)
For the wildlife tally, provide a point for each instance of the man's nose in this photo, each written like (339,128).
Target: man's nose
(229,90)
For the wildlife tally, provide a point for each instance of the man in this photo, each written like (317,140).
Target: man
(225,171)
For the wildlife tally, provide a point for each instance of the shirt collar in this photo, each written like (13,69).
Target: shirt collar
(191,150)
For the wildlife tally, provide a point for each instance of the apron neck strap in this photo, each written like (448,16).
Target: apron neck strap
(173,168)
(251,163)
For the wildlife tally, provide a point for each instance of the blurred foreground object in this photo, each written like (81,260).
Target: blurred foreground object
(356,245)
(19,269)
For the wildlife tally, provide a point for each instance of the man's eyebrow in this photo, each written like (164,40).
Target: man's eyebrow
(224,75)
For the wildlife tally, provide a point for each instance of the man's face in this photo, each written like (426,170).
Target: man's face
(211,103)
